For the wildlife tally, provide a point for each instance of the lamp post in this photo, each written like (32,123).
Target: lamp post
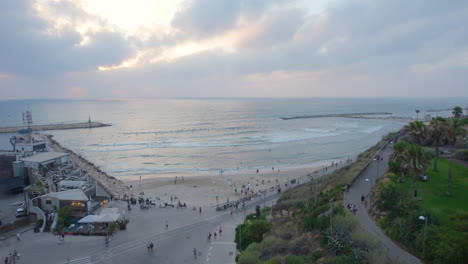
(424,218)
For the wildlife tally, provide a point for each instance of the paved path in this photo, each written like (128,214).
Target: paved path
(362,186)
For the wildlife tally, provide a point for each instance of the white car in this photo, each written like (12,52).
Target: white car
(21,212)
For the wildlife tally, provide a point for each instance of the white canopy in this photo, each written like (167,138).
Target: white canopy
(103,218)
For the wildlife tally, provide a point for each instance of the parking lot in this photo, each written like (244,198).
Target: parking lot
(7,207)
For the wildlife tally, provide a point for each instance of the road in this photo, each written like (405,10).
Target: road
(362,186)
(187,230)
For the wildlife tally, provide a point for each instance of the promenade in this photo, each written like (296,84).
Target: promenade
(362,186)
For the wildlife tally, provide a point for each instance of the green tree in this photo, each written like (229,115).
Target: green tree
(457,112)
(418,161)
(454,130)
(436,132)
(399,157)
(417,131)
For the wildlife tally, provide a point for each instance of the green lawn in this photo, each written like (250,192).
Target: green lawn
(433,191)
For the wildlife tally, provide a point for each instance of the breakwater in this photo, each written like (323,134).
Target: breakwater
(114,187)
(349,115)
(14,129)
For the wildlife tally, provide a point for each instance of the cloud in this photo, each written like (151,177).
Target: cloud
(34,48)
(242,48)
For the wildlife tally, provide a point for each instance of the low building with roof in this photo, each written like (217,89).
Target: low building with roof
(45,159)
(54,201)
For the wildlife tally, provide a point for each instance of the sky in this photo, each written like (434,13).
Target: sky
(79,49)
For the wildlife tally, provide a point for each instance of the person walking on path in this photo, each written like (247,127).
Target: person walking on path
(220,231)
(199,209)
(215,235)
(167,225)
(18,236)
(194,253)
(151,246)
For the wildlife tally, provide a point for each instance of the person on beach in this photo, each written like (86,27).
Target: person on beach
(199,209)
(194,253)
(167,225)
(220,231)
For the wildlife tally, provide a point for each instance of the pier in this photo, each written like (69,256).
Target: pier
(15,129)
(352,115)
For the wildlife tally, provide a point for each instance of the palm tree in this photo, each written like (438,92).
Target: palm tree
(436,132)
(417,115)
(418,131)
(457,112)
(399,157)
(454,129)
(418,162)
(410,158)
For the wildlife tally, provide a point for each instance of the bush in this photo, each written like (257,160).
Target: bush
(461,154)
(251,255)
(39,223)
(251,231)
(272,245)
(293,259)
(316,255)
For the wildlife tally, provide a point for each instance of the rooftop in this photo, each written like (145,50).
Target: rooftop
(72,195)
(44,157)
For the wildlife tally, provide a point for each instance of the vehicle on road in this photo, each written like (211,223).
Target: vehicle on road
(21,212)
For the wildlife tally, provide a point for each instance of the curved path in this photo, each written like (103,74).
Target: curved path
(362,186)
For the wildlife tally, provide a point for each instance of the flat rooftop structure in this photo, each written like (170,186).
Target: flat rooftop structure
(72,195)
(44,157)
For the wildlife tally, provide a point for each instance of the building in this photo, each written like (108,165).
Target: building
(76,199)
(45,159)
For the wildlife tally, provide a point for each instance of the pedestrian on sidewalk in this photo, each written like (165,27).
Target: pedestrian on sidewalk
(167,225)
(18,236)
(220,231)
(362,198)
(199,209)
(215,235)
(194,253)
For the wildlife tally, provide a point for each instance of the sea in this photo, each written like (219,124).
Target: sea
(168,137)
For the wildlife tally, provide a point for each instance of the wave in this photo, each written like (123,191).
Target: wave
(300,136)
(157,169)
(118,144)
(318,130)
(373,129)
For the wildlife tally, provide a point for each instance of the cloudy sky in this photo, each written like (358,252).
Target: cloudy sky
(232,48)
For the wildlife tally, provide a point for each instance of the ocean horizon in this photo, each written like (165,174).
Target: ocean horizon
(202,136)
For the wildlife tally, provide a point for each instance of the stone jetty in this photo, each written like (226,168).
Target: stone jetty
(350,115)
(114,187)
(54,127)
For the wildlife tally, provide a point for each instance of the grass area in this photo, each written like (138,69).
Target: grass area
(433,192)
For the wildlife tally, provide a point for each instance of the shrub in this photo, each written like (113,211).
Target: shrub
(272,245)
(39,222)
(316,255)
(251,255)
(461,154)
(293,259)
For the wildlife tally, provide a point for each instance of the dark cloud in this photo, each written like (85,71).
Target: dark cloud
(27,49)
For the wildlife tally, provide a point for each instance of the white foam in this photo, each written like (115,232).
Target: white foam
(373,129)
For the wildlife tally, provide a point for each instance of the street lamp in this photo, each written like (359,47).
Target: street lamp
(424,218)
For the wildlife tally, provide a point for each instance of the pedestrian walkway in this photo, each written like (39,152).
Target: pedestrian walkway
(362,186)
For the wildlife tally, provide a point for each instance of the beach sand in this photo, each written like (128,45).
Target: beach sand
(202,190)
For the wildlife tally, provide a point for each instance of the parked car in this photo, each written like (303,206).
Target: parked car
(21,212)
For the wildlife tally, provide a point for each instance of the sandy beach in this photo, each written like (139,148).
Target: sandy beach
(202,190)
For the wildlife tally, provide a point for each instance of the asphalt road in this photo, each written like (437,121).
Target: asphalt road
(362,186)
